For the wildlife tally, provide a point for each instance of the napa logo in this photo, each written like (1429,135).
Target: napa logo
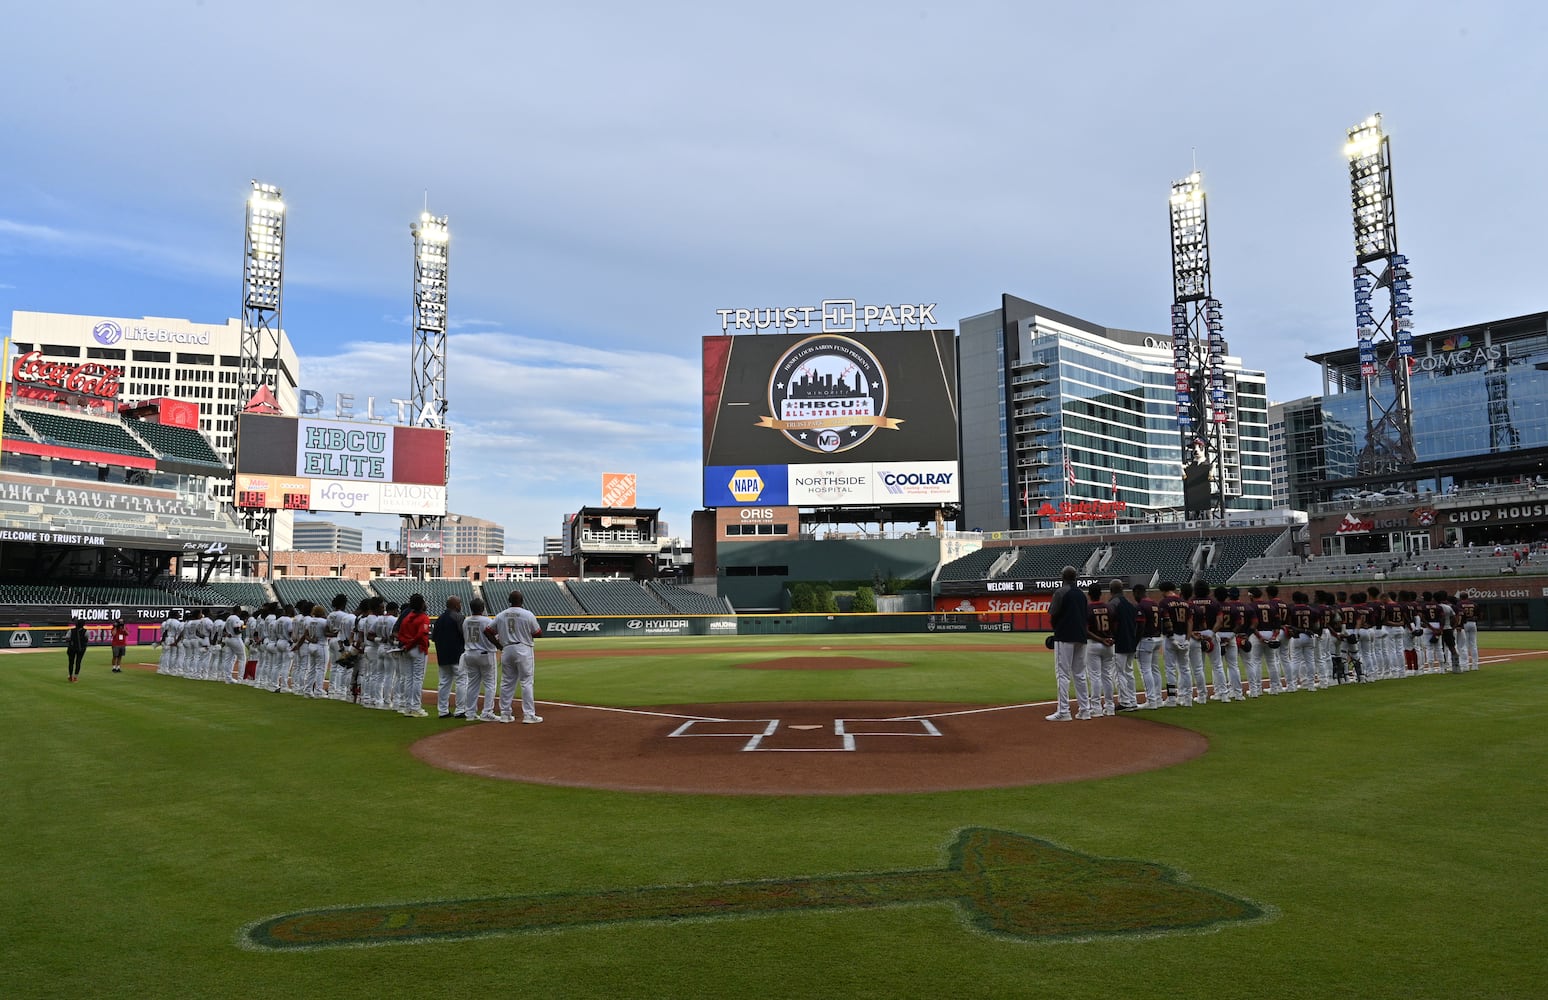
(1458,343)
(746,485)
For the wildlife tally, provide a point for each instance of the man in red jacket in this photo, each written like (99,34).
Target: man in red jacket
(120,643)
(414,640)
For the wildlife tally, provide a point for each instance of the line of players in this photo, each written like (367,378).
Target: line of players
(360,656)
(1260,643)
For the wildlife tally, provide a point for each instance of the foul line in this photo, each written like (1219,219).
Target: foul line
(641,711)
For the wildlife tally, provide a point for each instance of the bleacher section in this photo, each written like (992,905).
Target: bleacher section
(973,566)
(246,595)
(434,591)
(26,593)
(1045,561)
(181,443)
(191,593)
(319,590)
(1166,558)
(688,602)
(120,594)
(545,598)
(615,597)
(14,428)
(88,434)
(1232,552)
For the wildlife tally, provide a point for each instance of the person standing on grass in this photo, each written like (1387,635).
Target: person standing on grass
(515,628)
(1123,615)
(170,629)
(1148,649)
(120,642)
(75,648)
(1067,615)
(447,636)
(414,638)
(477,668)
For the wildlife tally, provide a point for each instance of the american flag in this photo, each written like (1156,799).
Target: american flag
(1069,468)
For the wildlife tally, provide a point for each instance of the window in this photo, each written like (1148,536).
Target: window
(161,356)
(61,351)
(105,353)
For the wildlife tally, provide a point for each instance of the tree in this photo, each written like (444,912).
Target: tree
(822,598)
(865,600)
(802,598)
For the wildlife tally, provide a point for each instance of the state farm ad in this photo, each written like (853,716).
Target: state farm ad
(1023,612)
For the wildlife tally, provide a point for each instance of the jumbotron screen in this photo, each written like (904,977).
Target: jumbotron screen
(301,463)
(831,420)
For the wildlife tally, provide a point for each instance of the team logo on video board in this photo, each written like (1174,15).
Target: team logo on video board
(828,394)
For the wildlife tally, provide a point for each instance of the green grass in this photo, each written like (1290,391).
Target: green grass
(1396,828)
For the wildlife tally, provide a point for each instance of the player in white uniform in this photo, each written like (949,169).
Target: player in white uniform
(479,652)
(340,625)
(389,660)
(170,630)
(371,660)
(515,628)
(309,633)
(233,647)
(196,638)
(284,657)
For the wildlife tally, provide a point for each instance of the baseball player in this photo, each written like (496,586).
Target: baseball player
(370,679)
(170,630)
(515,629)
(340,625)
(387,657)
(1148,650)
(1467,618)
(477,668)
(197,639)
(1101,669)
(1230,622)
(233,648)
(413,642)
(1175,617)
(1203,610)
(284,637)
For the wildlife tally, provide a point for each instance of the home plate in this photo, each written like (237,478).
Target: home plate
(803,727)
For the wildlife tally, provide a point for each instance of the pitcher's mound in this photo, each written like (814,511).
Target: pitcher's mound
(808,748)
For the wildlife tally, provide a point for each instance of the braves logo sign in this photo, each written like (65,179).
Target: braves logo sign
(100,381)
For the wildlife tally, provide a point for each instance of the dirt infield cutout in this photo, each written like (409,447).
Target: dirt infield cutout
(808,748)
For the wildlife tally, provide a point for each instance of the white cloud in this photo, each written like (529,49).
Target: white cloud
(536,422)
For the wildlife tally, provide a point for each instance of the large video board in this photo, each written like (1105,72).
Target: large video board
(302,463)
(831,420)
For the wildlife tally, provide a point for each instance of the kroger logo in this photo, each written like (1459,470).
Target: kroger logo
(107,332)
(342,495)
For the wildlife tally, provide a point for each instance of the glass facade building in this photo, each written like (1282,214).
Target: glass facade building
(1479,403)
(1048,397)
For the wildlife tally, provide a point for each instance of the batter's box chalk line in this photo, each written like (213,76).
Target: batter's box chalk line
(756,731)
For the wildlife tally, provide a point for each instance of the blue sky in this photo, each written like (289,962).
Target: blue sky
(614,173)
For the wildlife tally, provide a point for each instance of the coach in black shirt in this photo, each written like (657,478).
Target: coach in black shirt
(1067,614)
(447,636)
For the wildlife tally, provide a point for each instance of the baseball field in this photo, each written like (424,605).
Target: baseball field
(682,825)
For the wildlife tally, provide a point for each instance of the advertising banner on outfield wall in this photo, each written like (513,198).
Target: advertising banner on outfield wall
(1022,613)
(559,628)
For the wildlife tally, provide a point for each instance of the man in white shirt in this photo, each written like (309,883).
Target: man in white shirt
(515,628)
(233,648)
(284,657)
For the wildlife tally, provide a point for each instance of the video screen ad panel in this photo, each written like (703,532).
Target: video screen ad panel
(291,463)
(840,407)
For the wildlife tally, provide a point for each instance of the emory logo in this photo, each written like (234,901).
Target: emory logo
(107,332)
(746,485)
(830,394)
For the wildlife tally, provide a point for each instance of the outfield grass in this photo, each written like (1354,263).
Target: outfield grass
(1396,829)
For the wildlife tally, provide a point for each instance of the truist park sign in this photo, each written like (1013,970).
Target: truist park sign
(831,316)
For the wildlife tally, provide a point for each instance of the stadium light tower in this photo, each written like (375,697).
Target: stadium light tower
(263,281)
(432,239)
(1385,340)
(1198,354)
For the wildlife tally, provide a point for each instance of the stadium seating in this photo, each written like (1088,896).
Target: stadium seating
(26,593)
(616,597)
(688,602)
(84,433)
(1166,558)
(14,428)
(319,590)
(189,592)
(973,566)
(120,594)
(434,591)
(182,443)
(1232,551)
(246,595)
(546,598)
(1046,561)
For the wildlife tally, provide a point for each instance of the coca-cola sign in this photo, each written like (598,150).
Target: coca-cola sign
(89,378)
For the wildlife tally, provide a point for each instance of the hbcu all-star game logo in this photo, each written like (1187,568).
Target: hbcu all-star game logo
(829,394)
